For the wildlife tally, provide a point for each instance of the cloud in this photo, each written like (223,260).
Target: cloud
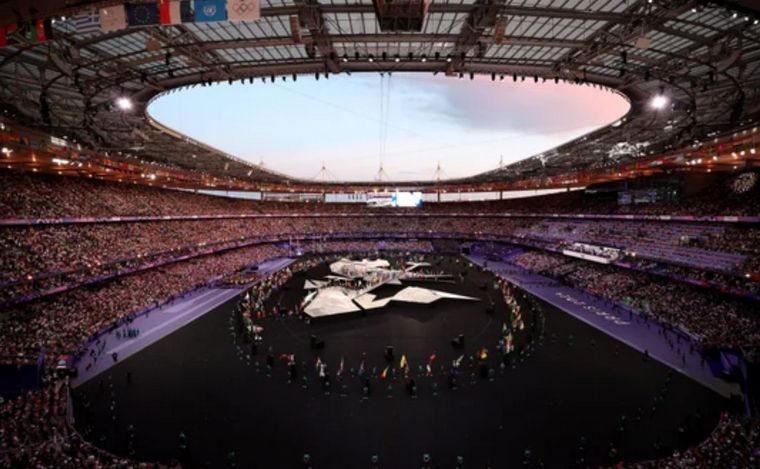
(524,107)
(467,126)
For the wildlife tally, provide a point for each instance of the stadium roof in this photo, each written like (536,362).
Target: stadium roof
(704,56)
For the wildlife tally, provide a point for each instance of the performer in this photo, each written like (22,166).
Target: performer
(292,370)
(411,386)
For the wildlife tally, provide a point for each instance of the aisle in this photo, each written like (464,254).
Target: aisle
(157,324)
(638,331)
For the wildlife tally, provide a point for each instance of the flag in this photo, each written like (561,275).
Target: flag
(429,367)
(361,368)
(40,30)
(403,363)
(30,31)
(384,374)
(88,22)
(169,12)
(340,367)
(499,29)
(243,10)
(295,29)
(176,11)
(210,10)
(458,361)
(27,32)
(186,11)
(318,365)
(113,18)
(143,14)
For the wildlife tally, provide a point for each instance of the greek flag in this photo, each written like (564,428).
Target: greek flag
(87,22)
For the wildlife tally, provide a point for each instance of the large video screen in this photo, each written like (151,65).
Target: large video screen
(406,199)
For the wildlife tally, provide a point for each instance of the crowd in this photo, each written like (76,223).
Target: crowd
(716,319)
(365,247)
(63,322)
(33,427)
(39,258)
(35,432)
(42,257)
(31,195)
(733,444)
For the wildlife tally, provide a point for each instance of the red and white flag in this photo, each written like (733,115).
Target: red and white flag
(170,12)
(295,29)
(429,367)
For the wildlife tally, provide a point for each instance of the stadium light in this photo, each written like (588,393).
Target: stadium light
(659,102)
(123,103)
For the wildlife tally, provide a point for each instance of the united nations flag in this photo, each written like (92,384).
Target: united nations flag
(210,10)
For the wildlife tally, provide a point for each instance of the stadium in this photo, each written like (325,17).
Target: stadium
(379,234)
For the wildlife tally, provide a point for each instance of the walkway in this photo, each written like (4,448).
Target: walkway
(638,331)
(158,323)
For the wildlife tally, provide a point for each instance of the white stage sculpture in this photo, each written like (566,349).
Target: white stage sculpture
(328,299)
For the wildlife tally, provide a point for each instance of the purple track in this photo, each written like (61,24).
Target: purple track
(157,324)
(672,348)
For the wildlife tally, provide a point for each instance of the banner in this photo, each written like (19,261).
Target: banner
(243,10)
(28,32)
(143,14)
(210,10)
(176,11)
(87,22)
(113,18)
(295,29)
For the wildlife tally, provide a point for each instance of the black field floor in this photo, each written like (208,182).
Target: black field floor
(566,397)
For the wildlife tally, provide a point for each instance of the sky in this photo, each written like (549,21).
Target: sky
(409,123)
